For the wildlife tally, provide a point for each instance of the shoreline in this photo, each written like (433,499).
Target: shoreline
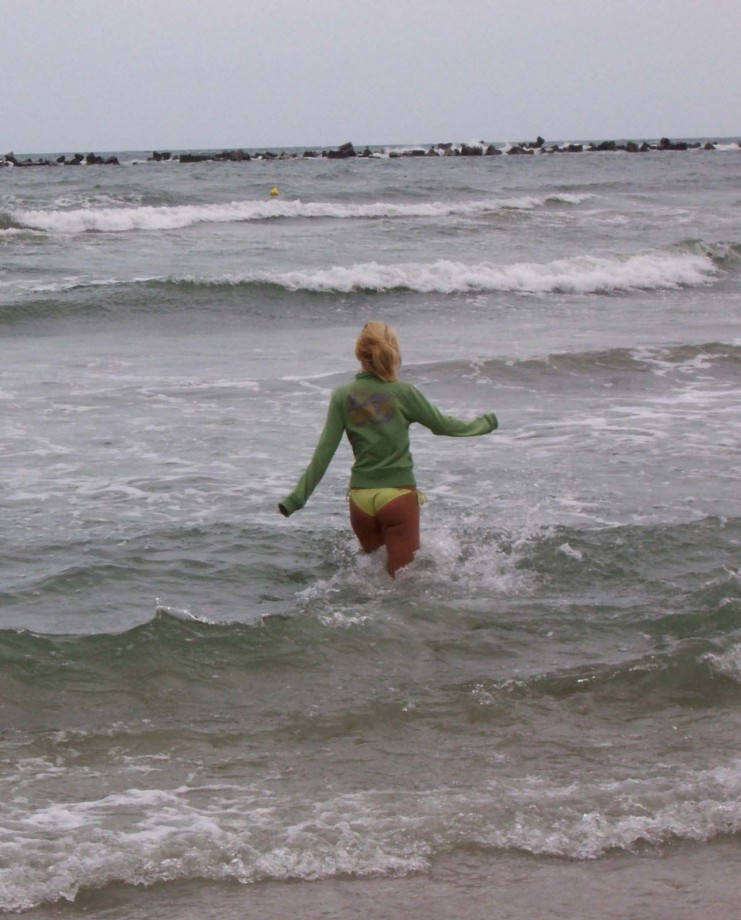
(679,880)
(348,151)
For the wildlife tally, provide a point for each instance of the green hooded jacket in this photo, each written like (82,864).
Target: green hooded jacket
(376,416)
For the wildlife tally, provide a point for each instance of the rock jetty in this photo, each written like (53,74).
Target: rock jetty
(92,159)
(482,149)
(348,151)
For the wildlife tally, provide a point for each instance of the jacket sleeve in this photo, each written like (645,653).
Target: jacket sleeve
(419,409)
(323,452)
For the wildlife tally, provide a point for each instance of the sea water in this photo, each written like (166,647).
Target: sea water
(209,710)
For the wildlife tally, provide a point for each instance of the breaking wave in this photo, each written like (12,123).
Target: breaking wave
(118,220)
(242,836)
(660,269)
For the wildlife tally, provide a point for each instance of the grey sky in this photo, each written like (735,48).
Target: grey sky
(177,74)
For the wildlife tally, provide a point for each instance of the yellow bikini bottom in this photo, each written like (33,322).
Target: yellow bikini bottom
(372,500)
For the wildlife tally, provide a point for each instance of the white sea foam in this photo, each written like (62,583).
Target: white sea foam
(449,556)
(121,219)
(568,550)
(580,275)
(657,270)
(728,663)
(245,834)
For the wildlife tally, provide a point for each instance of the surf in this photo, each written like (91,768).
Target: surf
(174,217)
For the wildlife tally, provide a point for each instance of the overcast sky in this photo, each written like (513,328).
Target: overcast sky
(99,75)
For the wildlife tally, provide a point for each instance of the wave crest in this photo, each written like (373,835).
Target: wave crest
(655,270)
(238,832)
(685,265)
(122,219)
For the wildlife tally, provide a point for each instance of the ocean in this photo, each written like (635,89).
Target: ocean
(207,710)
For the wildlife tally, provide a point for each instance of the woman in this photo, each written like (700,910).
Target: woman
(375,410)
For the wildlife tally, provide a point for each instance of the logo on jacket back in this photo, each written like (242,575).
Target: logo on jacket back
(368,408)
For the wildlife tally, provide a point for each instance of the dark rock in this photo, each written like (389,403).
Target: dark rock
(666,144)
(27,162)
(233,156)
(343,152)
(604,147)
(519,150)
(492,151)
(468,151)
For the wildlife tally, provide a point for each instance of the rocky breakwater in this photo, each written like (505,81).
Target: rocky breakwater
(348,151)
(78,159)
(539,146)
(345,151)
(633,146)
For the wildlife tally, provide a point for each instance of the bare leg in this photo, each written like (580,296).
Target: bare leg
(400,522)
(367,529)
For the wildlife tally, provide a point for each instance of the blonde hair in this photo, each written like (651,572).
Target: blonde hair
(377,349)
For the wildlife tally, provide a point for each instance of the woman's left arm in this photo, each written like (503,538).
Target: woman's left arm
(420,410)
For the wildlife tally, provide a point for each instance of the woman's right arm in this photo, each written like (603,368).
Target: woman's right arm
(324,451)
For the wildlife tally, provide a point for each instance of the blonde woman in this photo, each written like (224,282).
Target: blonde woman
(375,410)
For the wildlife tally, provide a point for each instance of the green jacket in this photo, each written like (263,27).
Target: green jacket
(376,416)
